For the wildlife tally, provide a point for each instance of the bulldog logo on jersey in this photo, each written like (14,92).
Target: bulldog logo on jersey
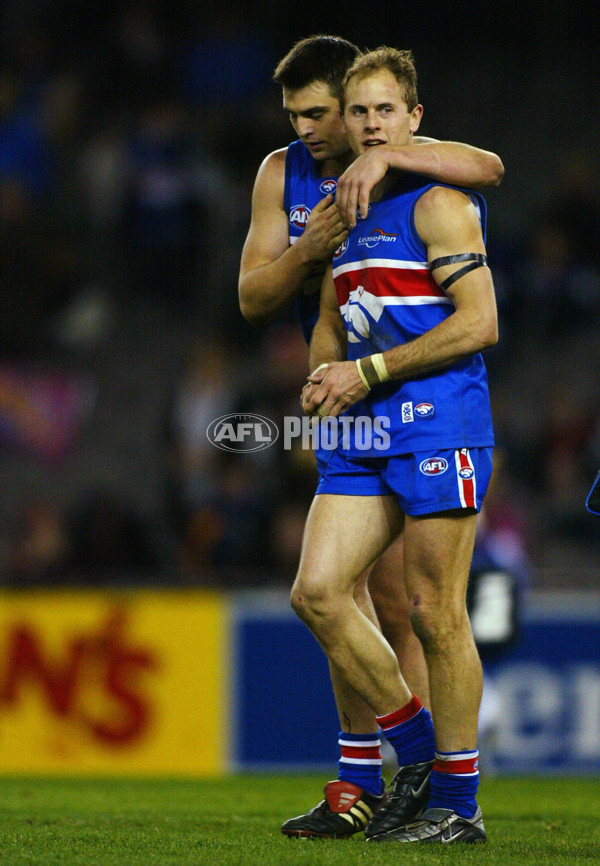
(299,215)
(359,309)
(424,410)
(328,186)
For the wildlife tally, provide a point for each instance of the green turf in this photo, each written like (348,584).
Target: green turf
(236,821)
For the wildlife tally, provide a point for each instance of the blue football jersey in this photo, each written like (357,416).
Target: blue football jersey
(388,297)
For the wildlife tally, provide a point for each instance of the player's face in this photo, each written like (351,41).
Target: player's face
(315,115)
(376,112)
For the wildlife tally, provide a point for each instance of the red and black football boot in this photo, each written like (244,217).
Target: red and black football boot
(346,810)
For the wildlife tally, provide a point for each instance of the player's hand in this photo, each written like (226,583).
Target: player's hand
(312,383)
(333,389)
(324,230)
(355,185)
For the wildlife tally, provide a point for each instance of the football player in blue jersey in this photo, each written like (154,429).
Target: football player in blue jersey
(410,335)
(287,247)
(273,272)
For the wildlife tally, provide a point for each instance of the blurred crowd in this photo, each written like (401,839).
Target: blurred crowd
(129,142)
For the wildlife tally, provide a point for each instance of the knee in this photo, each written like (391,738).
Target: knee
(434,623)
(298,602)
(421,619)
(311,601)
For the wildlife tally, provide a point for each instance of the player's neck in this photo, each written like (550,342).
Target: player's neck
(384,184)
(336,166)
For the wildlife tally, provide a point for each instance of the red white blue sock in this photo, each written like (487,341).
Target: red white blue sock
(360,761)
(410,732)
(454,781)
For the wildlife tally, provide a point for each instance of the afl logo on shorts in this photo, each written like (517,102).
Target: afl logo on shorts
(328,186)
(434,466)
(466,473)
(341,249)
(299,215)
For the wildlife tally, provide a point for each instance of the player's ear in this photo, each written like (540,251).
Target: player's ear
(415,117)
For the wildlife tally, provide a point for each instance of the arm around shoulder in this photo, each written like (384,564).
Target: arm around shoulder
(451,162)
(444,161)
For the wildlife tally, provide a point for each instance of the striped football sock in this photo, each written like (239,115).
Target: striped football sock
(454,781)
(410,732)
(360,761)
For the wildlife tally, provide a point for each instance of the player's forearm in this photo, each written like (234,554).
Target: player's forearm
(459,336)
(328,342)
(266,290)
(449,162)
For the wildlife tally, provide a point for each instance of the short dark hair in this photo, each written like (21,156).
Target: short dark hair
(317,58)
(400,63)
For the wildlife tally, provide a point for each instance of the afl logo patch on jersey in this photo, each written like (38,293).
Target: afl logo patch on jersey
(299,215)
(424,410)
(434,466)
(341,249)
(328,186)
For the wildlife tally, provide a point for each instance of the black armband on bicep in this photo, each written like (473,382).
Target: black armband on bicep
(476,260)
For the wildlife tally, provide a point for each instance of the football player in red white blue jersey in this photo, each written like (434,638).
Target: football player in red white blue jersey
(388,296)
(295,229)
(406,309)
(287,243)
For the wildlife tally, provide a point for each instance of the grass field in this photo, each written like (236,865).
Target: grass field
(236,821)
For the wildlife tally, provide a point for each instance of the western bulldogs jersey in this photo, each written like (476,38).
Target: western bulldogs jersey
(388,297)
(304,188)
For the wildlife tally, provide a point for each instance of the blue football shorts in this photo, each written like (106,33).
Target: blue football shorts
(423,482)
(322,457)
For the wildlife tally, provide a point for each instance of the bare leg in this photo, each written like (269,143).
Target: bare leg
(388,592)
(355,715)
(437,560)
(344,535)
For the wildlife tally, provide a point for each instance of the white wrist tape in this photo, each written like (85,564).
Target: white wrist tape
(362,374)
(380,367)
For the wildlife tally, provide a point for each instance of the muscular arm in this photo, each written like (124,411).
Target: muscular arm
(448,223)
(271,271)
(444,161)
(449,162)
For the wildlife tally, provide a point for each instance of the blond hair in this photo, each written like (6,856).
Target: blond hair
(400,63)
